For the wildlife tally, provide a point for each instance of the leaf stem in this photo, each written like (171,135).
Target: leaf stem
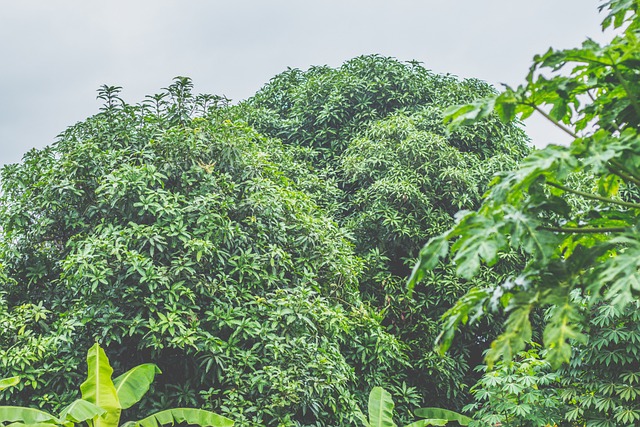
(594,196)
(623,175)
(630,174)
(554,121)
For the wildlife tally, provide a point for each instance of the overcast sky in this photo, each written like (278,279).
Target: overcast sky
(54,54)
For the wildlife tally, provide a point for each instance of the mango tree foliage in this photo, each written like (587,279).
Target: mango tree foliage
(168,232)
(592,93)
(392,175)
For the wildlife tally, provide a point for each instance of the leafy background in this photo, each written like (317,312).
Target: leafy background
(257,253)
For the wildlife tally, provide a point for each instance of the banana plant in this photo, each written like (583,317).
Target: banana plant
(103,399)
(381,413)
(9,382)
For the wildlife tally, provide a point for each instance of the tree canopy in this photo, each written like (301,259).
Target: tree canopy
(374,129)
(256,252)
(167,232)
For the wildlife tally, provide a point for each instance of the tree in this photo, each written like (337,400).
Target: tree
(168,232)
(393,177)
(594,252)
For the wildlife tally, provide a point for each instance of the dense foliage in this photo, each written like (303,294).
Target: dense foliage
(256,253)
(594,251)
(168,233)
(518,393)
(601,384)
(373,128)
(574,210)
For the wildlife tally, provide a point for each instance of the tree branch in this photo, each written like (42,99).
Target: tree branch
(554,121)
(622,175)
(631,176)
(594,196)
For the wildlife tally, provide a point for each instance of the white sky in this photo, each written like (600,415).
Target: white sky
(54,54)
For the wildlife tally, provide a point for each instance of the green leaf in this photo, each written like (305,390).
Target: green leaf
(11,414)
(99,389)
(445,414)
(9,382)
(380,408)
(428,422)
(513,340)
(622,272)
(362,418)
(133,384)
(562,327)
(81,410)
(170,417)
(430,255)
(467,114)
(65,424)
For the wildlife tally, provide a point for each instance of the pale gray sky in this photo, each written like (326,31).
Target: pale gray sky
(55,53)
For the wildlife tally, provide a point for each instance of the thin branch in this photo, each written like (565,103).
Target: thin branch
(594,196)
(554,121)
(584,230)
(632,175)
(623,175)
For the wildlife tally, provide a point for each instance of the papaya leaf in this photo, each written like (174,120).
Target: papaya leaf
(513,340)
(562,327)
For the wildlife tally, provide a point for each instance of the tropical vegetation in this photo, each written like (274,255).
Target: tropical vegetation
(258,253)
(103,400)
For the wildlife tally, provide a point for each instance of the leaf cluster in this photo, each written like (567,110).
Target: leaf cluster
(590,245)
